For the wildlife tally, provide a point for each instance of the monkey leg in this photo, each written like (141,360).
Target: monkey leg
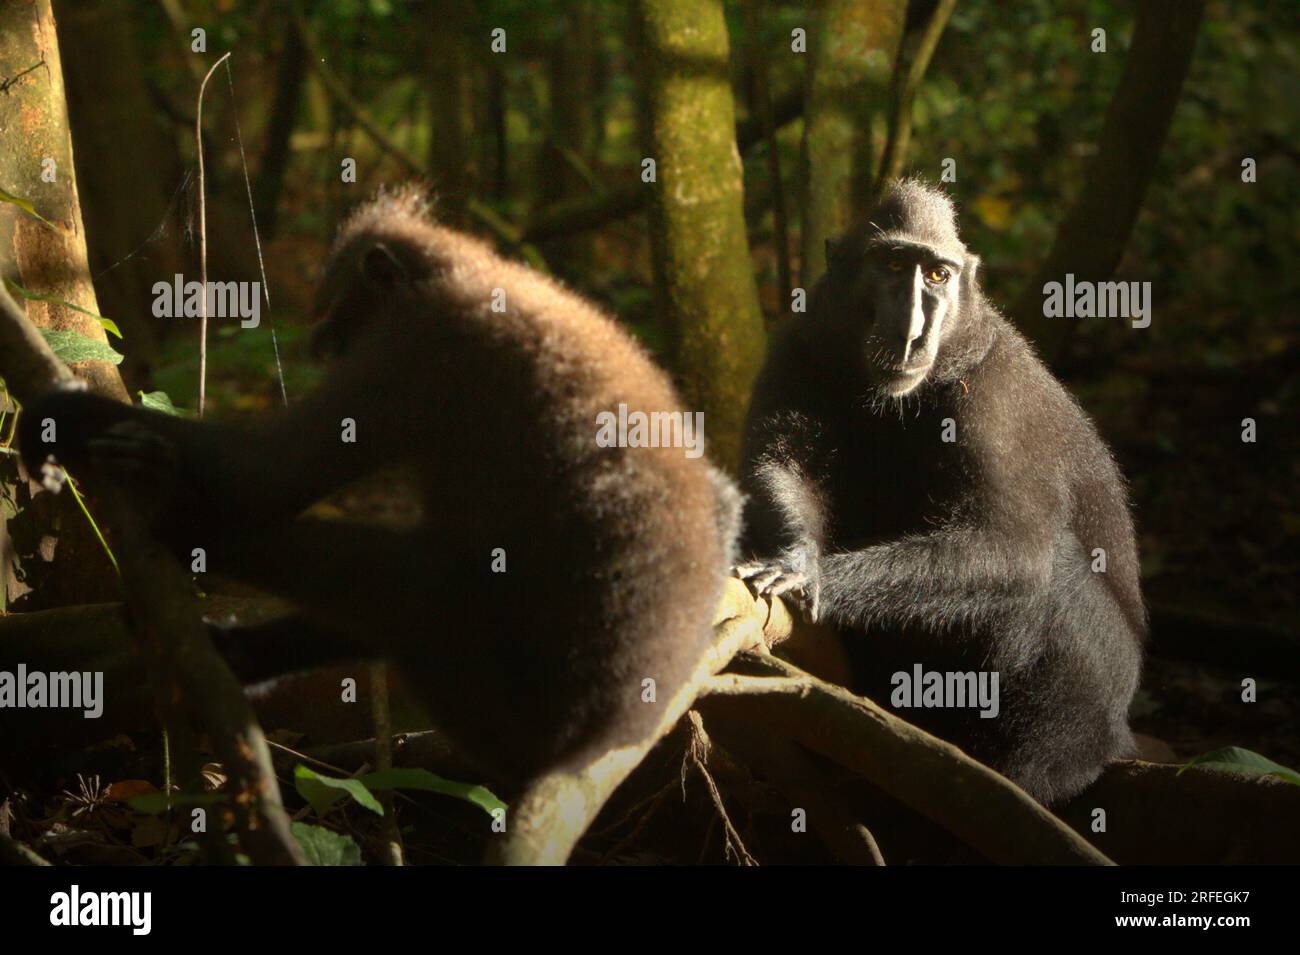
(288,644)
(348,577)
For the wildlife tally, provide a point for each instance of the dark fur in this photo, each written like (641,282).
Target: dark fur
(967,556)
(615,556)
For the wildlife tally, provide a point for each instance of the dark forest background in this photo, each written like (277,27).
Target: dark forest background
(539,149)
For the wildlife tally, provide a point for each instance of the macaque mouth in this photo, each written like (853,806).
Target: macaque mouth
(895,378)
(909,374)
(883,361)
(914,367)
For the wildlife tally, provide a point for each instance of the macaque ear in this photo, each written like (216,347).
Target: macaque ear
(380,267)
(837,254)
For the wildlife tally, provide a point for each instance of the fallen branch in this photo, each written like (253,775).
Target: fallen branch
(194,683)
(805,785)
(554,811)
(699,750)
(1153,815)
(986,811)
(13,852)
(94,638)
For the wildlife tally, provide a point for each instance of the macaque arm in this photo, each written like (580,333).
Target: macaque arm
(199,477)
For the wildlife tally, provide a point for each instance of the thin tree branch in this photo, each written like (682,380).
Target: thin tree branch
(905,87)
(203,239)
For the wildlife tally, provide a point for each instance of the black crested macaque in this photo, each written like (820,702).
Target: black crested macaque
(920,481)
(549,577)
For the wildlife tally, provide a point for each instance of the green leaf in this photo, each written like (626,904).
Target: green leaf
(324,846)
(424,780)
(23,204)
(160,401)
(1234,759)
(16,289)
(72,346)
(322,792)
(155,804)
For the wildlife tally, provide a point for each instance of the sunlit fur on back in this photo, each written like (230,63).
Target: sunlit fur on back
(556,593)
(615,556)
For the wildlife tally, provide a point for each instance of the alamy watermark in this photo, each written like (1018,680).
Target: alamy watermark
(77,907)
(181,299)
(950,689)
(1071,299)
(35,689)
(654,429)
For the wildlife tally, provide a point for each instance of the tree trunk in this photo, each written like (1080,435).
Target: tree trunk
(907,80)
(450,119)
(852,50)
(703,276)
(289,76)
(54,558)
(132,170)
(569,106)
(1095,231)
(564,161)
(762,112)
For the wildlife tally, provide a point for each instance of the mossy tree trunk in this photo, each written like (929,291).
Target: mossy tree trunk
(852,51)
(129,167)
(53,557)
(703,275)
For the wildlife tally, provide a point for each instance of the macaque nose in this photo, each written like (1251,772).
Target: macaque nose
(916,316)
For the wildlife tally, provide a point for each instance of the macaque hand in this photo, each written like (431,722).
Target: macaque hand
(793,573)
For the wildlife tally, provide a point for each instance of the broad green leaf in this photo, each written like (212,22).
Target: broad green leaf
(16,289)
(154,804)
(322,792)
(160,401)
(324,846)
(424,780)
(23,204)
(1234,759)
(72,346)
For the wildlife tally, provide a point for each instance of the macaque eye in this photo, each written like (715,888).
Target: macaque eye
(938,275)
(894,264)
